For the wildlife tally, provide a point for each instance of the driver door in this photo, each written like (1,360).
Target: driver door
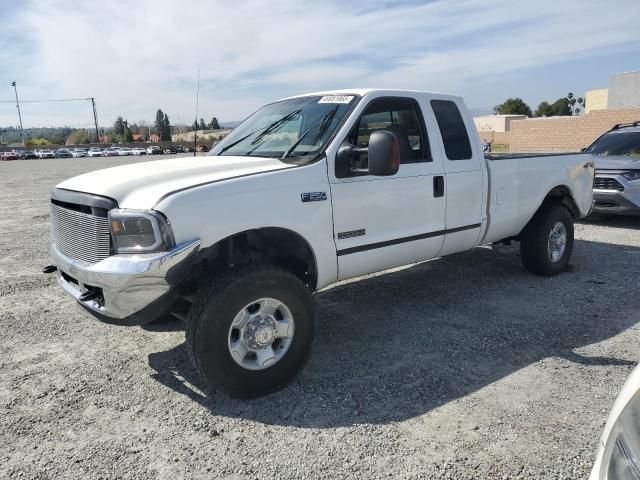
(382,222)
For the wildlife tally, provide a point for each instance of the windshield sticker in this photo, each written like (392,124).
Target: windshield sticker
(336,99)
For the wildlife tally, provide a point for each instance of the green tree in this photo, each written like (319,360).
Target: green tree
(163,126)
(118,126)
(159,122)
(165,134)
(575,104)
(78,137)
(202,125)
(213,124)
(513,106)
(127,136)
(544,110)
(35,142)
(561,107)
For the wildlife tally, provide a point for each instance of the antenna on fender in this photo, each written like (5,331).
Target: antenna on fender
(195,132)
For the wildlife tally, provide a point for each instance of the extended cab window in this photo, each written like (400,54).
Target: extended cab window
(452,129)
(402,116)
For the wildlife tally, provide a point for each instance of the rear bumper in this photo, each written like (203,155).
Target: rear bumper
(130,289)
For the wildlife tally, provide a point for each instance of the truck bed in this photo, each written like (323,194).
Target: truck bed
(518,187)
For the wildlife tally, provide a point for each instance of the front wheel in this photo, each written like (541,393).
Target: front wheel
(250,332)
(546,243)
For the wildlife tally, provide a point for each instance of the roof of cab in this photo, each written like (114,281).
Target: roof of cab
(364,91)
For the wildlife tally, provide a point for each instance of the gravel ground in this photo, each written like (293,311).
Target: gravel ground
(463,367)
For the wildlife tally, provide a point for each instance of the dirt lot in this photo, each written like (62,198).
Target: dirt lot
(463,367)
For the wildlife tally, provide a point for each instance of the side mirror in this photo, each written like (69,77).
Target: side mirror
(344,159)
(384,153)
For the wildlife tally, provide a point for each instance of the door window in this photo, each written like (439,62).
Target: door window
(402,116)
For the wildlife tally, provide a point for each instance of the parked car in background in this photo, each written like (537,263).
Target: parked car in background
(110,152)
(173,149)
(154,150)
(27,154)
(79,152)
(94,152)
(617,157)
(9,155)
(125,151)
(63,153)
(46,153)
(618,456)
(139,151)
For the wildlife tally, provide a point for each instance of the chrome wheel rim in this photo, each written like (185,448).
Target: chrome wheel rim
(261,334)
(557,242)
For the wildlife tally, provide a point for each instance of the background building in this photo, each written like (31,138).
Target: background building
(623,91)
(605,107)
(496,123)
(596,99)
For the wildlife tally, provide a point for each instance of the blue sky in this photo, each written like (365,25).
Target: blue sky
(135,57)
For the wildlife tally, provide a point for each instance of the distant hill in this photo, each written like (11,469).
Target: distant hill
(204,135)
(230,125)
(57,135)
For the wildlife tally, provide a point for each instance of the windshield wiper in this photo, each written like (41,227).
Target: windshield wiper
(270,128)
(264,130)
(324,122)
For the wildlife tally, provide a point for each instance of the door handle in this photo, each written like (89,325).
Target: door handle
(438,186)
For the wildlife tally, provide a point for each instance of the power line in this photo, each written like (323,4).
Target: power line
(50,127)
(49,100)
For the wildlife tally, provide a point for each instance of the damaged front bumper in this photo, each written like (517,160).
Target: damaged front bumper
(126,289)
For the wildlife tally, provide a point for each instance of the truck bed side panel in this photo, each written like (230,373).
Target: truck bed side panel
(519,185)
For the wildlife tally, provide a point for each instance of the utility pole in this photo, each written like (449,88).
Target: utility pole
(95,119)
(15,89)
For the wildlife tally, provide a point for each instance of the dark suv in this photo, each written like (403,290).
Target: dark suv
(63,153)
(27,154)
(175,149)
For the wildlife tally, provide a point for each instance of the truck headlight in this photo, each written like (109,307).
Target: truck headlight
(631,175)
(140,231)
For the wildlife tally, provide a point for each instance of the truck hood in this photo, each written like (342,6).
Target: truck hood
(141,185)
(617,162)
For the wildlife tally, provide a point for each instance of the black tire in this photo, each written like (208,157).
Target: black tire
(210,318)
(534,240)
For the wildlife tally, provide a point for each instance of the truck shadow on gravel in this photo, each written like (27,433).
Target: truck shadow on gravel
(398,345)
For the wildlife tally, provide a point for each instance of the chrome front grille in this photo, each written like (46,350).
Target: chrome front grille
(80,235)
(607,183)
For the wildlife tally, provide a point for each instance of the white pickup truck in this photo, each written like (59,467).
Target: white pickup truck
(307,191)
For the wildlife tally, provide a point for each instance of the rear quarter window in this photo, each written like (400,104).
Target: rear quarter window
(452,129)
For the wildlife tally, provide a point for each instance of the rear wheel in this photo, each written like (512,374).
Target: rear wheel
(251,331)
(546,243)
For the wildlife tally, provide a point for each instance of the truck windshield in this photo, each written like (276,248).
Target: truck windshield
(294,130)
(617,143)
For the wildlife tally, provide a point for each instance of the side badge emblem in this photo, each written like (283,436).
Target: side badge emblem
(313,196)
